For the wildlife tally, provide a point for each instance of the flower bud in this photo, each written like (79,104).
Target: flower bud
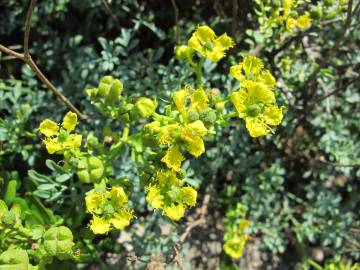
(219,106)
(90,169)
(208,117)
(145,107)
(193,116)
(183,52)
(58,241)
(115,90)
(104,89)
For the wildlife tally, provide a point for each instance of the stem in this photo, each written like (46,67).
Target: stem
(230,115)
(198,71)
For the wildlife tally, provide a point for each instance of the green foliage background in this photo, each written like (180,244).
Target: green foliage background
(301,185)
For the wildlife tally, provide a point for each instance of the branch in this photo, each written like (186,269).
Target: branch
(112,15)
(333,92)
(27,28)
(26,57)
(176,18)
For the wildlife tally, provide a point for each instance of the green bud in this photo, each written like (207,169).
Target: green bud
(208,117)
(193,116)
(219,106)
(15,259)
(104,89)
(58,241)
(8,219)
(183,52)
(107,79)
(90,169)
(145,107)
(115,90)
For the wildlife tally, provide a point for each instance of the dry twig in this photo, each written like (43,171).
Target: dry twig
(26,57)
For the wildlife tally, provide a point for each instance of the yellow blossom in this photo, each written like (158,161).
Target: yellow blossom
(154,197)
(188,195)
(303,21)
(117,195)
(198,100)
(257,106)
(122,218)
(94,200)
(173,158)
(167,178)
(234,247)
(175,212)
(166,134)
(179,98)
(99,225)
(205,41)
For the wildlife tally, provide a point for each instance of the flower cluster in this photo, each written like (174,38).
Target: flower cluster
(59,138)
(108,208)
(206,43)
(160,143)
(255,100)
(291,20)
(166,193)
(235,236)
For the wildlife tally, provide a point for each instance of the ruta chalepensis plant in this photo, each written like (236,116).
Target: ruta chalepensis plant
(161,142)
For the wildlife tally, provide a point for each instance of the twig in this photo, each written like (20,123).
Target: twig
(333,92)
(176,18)
(235,8)
(26,57)
(112,15)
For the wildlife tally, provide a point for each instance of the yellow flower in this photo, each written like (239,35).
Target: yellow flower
(256,106)
(287,5)
(173,158)
(70,121)
(290,23)
(94,200)
(251,70)
(204,41)
(179,98)
(303,21)
(167,178)
(188,195)
(196,147)
(154,197)
(122,218)
(49,128)
(234,247)
(192,134)
(100,225)
(56,138)
(117,195)
(167,134)
(198,100)
(175,212)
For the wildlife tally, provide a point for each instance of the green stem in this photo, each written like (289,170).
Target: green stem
(230,115)
(198,72)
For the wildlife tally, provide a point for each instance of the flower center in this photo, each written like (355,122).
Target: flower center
(253,110)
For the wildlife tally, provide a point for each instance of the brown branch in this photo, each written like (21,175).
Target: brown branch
(26,57)
(112,15)
(333,92)
(27,28)
(176,19)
